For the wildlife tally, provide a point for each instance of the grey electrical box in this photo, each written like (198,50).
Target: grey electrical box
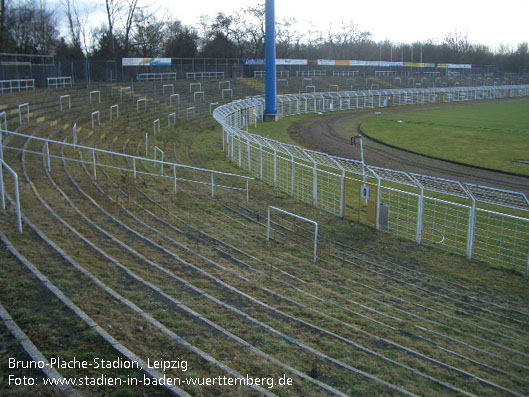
(383,219)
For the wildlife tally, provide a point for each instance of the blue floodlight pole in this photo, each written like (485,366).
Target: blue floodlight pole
(270,113)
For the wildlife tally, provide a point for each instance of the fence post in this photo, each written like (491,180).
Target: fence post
(134,167)
(2,194)
(342,194)
(420,216)
(232,138)
(174,179)
(94,163)
(249,159)
(247,190)
(275,168)
(268,226)
(292,175)
(260,162)
(17,204)
(471,229)
(378,203)
(239,143)
(146,145)
(48,156)
(315,242)
(315,185)
(212,186)
(74,134)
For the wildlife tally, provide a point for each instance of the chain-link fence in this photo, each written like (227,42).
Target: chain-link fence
(480,222)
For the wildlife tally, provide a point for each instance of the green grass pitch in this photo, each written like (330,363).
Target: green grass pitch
(494,136)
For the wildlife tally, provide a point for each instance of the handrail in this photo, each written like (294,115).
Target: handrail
(297,217)
(222,114)
(117,154)
(17,197)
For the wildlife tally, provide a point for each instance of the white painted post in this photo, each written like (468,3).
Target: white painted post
(154,124)
(134,167)
(173,115)
(74,134)
(174,180)
(292,175)
(177,99)
(168,86)
(191,85)
(260,162)
(420,215)
(146,145)
(98,96)
(248,154)
(187,111)
(48,156)
(17,199)
(94,163)
(239,150)
(20,112)
(117,111)
(211,107)
(212,186)
(92,117)
(144,100)
(275,168)
(198,93)
(226,90)
(315,185)
(69,101)
(5,120)
(471,229)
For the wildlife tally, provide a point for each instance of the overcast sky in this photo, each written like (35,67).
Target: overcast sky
(486,22)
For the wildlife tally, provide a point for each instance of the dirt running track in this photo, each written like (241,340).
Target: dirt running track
(329,135)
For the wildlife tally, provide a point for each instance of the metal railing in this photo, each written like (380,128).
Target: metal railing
(156,76)
(3,165)
(17,85)
(59,82)
(204,75)
(315,249)
(479,222)
(180,172)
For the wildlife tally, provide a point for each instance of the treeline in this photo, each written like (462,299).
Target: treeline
(131,30)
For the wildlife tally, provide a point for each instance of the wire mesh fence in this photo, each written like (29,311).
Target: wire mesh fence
(445,225)
(466,219)
(502,239)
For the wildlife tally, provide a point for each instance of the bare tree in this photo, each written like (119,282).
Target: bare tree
(148,35)
(113,8)
(3,35)
(131,9)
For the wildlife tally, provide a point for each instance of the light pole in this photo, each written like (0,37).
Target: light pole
(270,113)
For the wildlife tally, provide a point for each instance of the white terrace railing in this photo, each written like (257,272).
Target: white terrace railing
(480,222)
(204,75)
(128,163)
(60,82)
(17,85)
(156,76)
(3,165)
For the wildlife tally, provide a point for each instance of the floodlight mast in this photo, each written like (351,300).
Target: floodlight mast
(270,113)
